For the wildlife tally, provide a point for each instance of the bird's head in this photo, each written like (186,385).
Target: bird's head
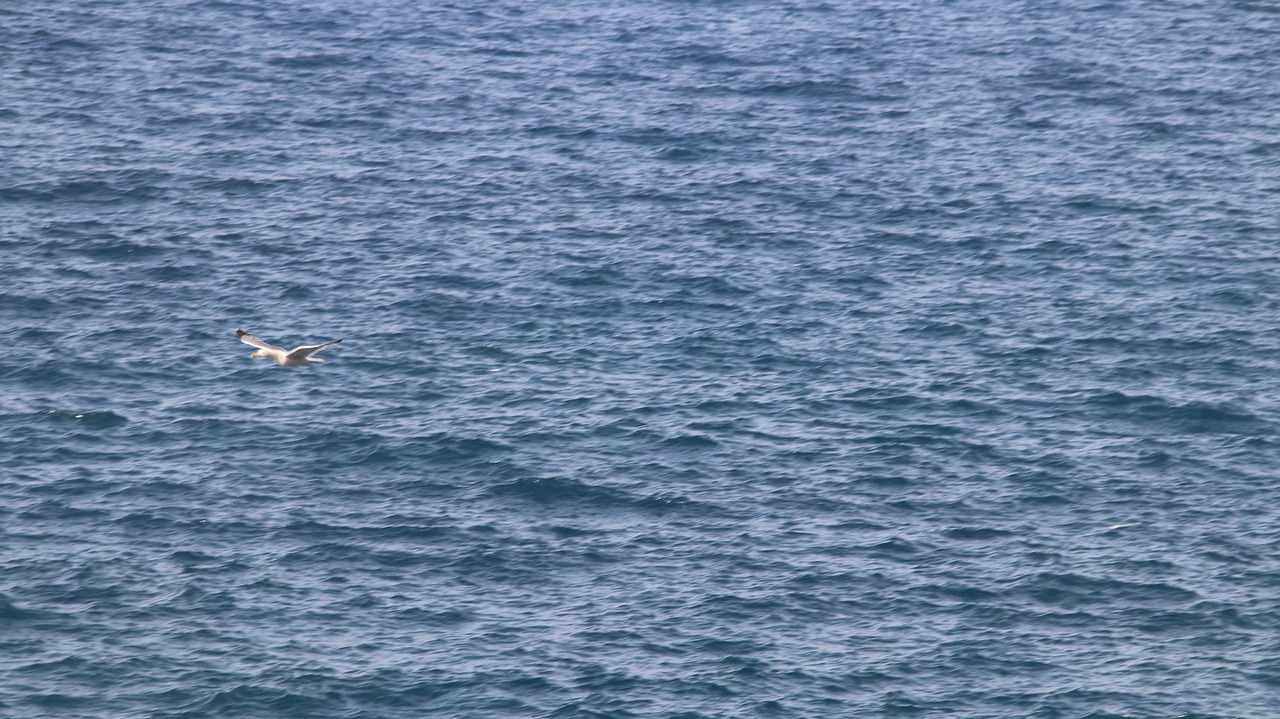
(257,353)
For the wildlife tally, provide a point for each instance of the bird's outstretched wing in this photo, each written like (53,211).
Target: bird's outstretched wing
(308,350)
(249,339)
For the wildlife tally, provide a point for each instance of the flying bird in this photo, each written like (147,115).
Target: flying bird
(296,357)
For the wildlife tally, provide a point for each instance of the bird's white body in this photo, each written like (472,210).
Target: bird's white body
(296,357)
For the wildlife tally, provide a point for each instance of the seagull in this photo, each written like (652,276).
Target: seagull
(296,357)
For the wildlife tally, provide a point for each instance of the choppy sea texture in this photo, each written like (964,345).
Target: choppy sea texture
(785,359)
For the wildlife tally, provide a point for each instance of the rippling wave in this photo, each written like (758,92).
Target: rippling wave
(769,360)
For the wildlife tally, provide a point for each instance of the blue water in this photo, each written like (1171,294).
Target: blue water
(702,359)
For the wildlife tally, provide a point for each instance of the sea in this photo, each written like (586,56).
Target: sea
(702,359)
